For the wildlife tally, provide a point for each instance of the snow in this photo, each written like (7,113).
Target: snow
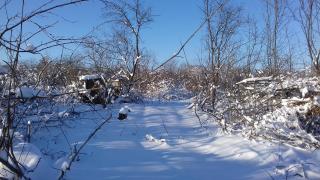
(65,165)
(163,141)
(150,138)
(30,47)
(269,78)
(63,114)
(304,91)
(89,77)
(36,167)
(137,58)
(124,110)
(28,92)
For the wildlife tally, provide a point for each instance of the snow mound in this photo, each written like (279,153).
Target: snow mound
(124,110)
(150,138)
(30,157)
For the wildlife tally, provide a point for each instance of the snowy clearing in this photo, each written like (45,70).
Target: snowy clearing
(164,141)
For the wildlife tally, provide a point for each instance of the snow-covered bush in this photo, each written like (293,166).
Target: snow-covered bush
(283,108)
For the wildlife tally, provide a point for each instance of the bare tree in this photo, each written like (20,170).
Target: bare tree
(275,21)
(130,17)
(308,16)
(252,47)
(290,55)
(99,54)
(223,21)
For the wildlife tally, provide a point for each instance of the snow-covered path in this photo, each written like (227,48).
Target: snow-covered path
(132,149)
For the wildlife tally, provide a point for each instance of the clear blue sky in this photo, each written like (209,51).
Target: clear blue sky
(175,20)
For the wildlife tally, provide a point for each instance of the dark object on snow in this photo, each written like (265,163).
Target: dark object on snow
(28,131)
(289,92)
(312,94)
(94,89)
(122,116)
(310,122)
(123,113)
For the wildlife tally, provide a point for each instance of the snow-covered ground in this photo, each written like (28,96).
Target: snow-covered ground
(163,140)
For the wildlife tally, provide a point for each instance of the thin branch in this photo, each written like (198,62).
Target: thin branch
(32,15)
(181,47)
(75,154)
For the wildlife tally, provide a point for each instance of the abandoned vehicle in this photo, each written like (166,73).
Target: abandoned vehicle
(95,89)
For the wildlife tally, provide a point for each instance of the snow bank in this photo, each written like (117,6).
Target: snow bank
(29,155)
(35,166)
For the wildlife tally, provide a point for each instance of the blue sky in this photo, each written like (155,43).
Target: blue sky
(174,21)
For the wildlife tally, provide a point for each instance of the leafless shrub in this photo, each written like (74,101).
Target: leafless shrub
(14,41)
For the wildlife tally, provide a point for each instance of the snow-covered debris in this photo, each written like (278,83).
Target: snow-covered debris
(120,75)
(280,109)
(304,91)
(89,77)
(63,114)
(316,101)
(255,79)
(249,119)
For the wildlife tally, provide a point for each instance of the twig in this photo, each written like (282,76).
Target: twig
(76,153)
(182,46)
(164,126)
(32,170)
(195,112)
(270,175)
